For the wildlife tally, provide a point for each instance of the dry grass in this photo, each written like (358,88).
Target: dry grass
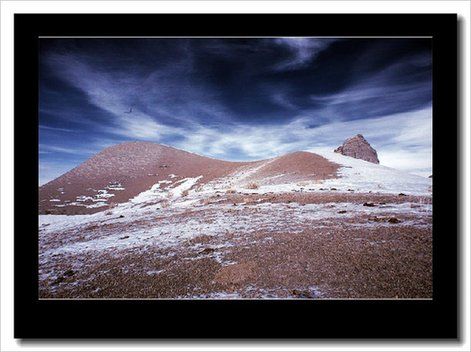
(165,203)
(198,188)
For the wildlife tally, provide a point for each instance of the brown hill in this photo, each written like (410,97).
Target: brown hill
(119,173)
(294,167)
(125,170)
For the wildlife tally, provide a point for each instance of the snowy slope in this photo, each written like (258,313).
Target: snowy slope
(363,176)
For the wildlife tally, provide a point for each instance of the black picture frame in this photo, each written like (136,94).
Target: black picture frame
(247,319)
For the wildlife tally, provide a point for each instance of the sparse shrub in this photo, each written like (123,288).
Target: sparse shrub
(109,213)
(230,191)
(252,185)
(205,202)
(164,204)
(185,193)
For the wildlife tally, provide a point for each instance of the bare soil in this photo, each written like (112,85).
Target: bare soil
(251,246)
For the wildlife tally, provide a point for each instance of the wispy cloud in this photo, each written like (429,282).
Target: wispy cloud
(304,50)
(59,129)
(65,150)
(399,139)
(380,92)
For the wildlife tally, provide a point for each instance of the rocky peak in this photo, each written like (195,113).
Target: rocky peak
(359,148)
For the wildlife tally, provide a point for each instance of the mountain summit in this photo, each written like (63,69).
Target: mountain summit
(359,148)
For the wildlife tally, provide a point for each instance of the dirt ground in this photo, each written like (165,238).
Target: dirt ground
(294,245)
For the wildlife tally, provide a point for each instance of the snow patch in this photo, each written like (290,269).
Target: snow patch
(154,193)
(363,176)
(185,185)
(154,272)
(103,193)
(97,205)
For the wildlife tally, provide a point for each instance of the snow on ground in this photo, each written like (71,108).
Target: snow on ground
(185,185)
(97,205)
(150,195)
(172,214)
(237,180)
(103,193)
(216,295)
(183,214)
(156,193)
(260,292)
(363,176)
(174,211)
(354,174)
(172,201)
(213,220)
(57,222)
(116,188)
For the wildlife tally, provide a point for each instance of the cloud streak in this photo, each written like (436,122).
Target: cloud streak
(304,51)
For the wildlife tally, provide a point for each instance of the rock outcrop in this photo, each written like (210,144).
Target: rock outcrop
(359,148)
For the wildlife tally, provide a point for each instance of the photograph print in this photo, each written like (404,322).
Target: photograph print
(290,168)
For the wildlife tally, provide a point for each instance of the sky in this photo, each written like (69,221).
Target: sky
(235,98)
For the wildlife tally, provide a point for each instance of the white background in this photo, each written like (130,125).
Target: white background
(8,8)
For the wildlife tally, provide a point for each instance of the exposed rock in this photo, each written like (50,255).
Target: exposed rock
(359,148)
(369,204)
(58,280)
(69,273)
(207,250)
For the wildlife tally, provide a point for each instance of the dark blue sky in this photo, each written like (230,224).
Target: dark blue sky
(235,99)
